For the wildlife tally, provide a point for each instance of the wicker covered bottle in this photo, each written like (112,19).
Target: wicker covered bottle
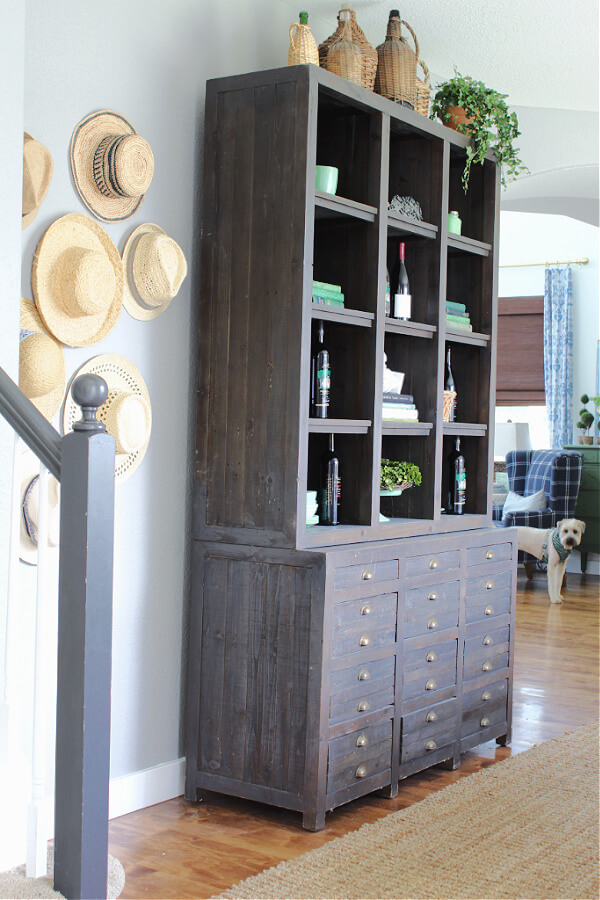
(344,57)
(368,53)
(397,67)
(303,46)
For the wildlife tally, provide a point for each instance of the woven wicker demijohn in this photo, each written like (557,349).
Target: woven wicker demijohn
(368,53)
(344,56)
(397,68)
(303,47)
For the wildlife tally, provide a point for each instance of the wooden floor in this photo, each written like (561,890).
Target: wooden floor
(179,849)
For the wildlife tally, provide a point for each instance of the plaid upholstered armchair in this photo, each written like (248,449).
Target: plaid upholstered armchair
(556,472)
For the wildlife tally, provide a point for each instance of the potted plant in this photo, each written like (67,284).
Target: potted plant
(397,476)
(479,112)
(586,419)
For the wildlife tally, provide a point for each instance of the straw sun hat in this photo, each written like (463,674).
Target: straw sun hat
(126,413)
(42,376)
(112,165)
(37,175)
(154,267)
(30,508)
(77,280)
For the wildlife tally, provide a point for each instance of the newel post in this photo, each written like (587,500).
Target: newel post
(84,650)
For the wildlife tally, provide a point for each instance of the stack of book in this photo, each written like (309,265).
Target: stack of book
(327,294)
(399,408)
(457,316)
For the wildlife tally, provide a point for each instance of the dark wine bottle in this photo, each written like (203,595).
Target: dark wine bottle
(402,298)
(320,376)
(330,487)
(449,385)
(457,481)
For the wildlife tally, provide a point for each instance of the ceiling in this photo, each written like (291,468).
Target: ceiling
(542,53)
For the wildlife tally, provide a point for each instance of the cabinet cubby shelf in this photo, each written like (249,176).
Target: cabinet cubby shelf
(342,315)
(405,225)
(414,329)
(468,245)
(474,338)
(465,429)
(339,426)
(391,429)
(330,206)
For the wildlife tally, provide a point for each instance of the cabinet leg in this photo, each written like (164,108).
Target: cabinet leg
(313,819)
(584,557)
(389,791)
(194,795)
(503,740)
(450,764)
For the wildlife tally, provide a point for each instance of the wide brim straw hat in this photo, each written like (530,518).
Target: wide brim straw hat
(30,506)
(155,267)
(37,175)
(112,165)
(126,413)
(77,280)
(42,374)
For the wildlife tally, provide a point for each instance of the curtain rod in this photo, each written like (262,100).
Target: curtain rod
(559,262)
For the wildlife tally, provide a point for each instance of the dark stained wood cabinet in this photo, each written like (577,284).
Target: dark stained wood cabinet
(328,662)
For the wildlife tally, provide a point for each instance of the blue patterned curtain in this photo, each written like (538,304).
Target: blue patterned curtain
(558,355)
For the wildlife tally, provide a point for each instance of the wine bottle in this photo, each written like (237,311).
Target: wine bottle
(320,376)
(449,385)
(388,294)
(457,481)
(402,298)
(330,487)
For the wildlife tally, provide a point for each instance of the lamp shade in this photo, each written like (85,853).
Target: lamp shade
(510,436)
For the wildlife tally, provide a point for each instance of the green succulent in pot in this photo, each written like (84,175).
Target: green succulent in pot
(398,474)
(479,112)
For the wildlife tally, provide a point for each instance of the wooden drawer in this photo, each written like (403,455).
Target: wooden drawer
(427,745)
(358,743)
(427,657)
(363,640)
(423,615)
(495,660)
(438,675)
(430,721)
(425,598)
(488,697)
(369,701)
(355,680)
(360,613)
(378,759)
(480,608)
(369,572)
(479,720)
(484,644)
(484,585)
(433,563)
(489,553)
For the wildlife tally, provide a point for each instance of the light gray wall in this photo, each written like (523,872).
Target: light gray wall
(148,60)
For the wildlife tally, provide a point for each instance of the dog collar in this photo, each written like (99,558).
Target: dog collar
(563,554)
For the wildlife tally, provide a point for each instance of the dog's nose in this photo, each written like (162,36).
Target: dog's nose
(570,541)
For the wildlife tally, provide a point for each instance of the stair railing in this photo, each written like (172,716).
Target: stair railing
(84,463)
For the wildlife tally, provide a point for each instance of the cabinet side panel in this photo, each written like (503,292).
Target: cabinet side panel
(253,290)
(254,672)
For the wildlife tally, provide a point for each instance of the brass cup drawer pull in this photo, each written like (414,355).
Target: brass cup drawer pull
(486,696)
(362,740)
(488,611)
(431,656)
(489,585)
(432,596)
(489,554)
(433,563)
(363,706)
(431,716)
(431,745)
(486,667)
(433,623)
(361,772)
(488,639)
(365,640)
(430,685)
(367,575)
(364,675)
(366,610)
(484,722)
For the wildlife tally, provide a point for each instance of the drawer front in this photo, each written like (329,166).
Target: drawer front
(489,553)
(483,644)
(433,563)
(358,744)
(377,759)
(425,681)
(489,697)
(363,640)
(485,585)
(360,613)
(355,680)
(480,608)
(430,721)
(368,702)
(424,599)
(481,719)
(426,745)
(496,660)
(428,656)
(366,573)
(430,616)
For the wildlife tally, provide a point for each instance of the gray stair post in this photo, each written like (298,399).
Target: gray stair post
(84,650)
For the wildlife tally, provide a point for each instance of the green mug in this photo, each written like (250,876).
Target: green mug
(326,179)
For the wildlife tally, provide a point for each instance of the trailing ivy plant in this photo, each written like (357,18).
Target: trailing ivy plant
(492,127)
(395,473)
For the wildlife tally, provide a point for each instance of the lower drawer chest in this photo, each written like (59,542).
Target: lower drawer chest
(316,677)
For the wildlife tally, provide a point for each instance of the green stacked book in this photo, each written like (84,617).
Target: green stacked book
(327,294)
(457,316)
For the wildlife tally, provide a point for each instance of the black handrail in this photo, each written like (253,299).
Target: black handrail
(30,424)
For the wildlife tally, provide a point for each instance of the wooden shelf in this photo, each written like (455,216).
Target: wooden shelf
(342,314)
(465,429)
(468,245)
(474,338)
(406,225)
(339,426)
(414,329)
(391,429)
(330,206)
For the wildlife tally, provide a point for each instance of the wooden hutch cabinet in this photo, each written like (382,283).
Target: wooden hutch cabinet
(328,662)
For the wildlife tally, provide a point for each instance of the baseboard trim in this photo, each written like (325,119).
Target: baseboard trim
(593,563)
(146,787)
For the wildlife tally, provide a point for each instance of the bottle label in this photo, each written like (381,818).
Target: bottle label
(388,301)
(402,306)
(323,385)
(331,494)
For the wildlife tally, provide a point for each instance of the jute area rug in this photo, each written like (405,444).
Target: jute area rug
(14,884)
(526,827)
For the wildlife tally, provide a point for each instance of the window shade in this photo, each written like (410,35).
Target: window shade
(520,360)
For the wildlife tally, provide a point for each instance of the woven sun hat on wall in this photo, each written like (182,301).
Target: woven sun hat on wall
(42,375)
(30,509)
(37,175)
(77,280)
(112,165)
(126,413)
(155,268)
